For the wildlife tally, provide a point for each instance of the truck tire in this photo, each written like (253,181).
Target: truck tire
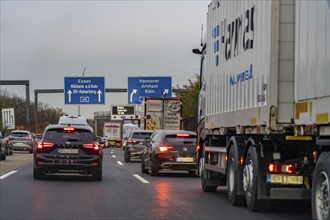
(321,188)
(250,182)
(232,179)
(205,183)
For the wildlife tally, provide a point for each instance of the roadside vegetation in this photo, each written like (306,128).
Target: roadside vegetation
(46,113)
(189,99)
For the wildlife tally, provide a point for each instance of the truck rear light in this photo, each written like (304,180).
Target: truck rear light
(281,168)
(164,149)
(94,146)
(43,145)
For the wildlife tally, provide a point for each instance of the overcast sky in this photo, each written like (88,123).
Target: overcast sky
(45,41)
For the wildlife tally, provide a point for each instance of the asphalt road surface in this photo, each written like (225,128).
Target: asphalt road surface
(124,193)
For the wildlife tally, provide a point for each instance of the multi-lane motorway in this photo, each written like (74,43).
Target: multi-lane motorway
(124,193)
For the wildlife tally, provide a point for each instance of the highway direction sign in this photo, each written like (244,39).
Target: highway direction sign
(84,90)
(155,87)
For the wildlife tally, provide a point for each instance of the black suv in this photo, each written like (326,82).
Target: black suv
(68,149)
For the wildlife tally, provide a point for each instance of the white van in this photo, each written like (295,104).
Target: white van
(72,120)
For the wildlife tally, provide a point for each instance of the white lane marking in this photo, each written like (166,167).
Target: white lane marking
(113,156)
(120,163)
(7,174)
(140,178)
(111,152)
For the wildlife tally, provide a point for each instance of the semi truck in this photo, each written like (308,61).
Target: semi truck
(264,102)
(113,132)
(161,113)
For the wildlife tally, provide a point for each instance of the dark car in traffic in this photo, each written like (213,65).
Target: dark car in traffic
(68,149)
(135,144)
(169,150)
(22,140)
(3,153)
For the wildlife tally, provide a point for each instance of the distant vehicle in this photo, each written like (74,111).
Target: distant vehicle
(113,131)
(101,141)
(169,150)
(2,148)
(135,144)
(38,137)
(22,140)
(127,128)
(72,120)
(68,149)
(8,145)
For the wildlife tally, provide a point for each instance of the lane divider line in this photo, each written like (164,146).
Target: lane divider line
(120,163)
(140,178)
(113,156)
(7,174)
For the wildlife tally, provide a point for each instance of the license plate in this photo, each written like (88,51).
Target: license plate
(284,179)
(68,151)
(185,159)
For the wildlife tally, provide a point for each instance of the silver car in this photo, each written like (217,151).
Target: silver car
(22,140)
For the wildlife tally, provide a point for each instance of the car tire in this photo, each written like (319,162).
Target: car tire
(127,158)
(11,152)
(154,171)
(3,156)
(143,166)
(37,174)
(97,175)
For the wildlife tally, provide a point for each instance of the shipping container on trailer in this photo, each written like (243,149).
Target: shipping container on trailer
(264,100)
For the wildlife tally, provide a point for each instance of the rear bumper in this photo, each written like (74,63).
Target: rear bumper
(178,165)
(67,165)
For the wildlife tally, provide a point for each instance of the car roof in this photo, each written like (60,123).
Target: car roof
(177,131)
(139,131)
(21,131)
(83,127)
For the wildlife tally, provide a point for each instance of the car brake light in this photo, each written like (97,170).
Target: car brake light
(281,168)
(42,145)
(95,146)
(182,135)
(28,138)
(131,141)
(68,130)
(165,149)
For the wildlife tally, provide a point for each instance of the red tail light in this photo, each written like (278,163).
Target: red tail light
(281,168)
(182,135)
(68,130)
(164,149)
(95,146)
(28,138)
(42,145)
(132,141)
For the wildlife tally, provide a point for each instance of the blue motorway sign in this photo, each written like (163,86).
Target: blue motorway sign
(84,90)
(155,87)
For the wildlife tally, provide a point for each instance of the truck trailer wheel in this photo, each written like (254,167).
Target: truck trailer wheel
(205,181)
(321,188)
(250,180)
(232,179)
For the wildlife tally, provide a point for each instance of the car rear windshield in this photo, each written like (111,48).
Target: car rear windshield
(61,135)
(19,134)
(141,135)
(181,139)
